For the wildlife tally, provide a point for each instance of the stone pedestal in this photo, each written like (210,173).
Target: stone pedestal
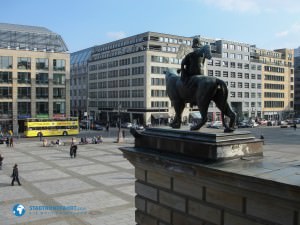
(177,184)
(199,146)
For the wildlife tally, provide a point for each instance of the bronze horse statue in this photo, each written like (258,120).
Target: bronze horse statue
(198,90)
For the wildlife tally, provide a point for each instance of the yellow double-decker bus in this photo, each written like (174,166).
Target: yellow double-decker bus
(35,127)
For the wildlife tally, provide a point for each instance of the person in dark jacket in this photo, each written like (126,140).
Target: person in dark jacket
(1,159)
(73,150)
(15,175)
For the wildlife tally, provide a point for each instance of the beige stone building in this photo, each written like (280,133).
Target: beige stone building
(277,83)
(34,75)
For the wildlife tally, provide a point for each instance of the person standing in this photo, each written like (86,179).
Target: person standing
(1,160)
(11,142)
(15,175)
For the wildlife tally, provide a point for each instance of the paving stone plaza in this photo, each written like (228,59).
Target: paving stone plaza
(99,181)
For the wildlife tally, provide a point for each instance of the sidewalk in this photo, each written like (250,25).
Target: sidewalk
(99,184)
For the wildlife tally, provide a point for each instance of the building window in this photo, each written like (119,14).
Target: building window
(6,109)
(24,78)
(59,65)
(225,55)
(42,108)
(225,46)
(41,64)
(24,108)
(232,65)
(24,63)
(6,62)
(59,107)
(5,92)
(6,77)
(217,73)
(41,92)
(59,78)
(24,92)
(225,64)
(42,78)
(225,73)
(59,93)
(232,74)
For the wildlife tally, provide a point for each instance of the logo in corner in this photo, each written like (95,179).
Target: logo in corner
(19,210)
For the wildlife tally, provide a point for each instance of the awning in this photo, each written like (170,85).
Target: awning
(160,115)
(196,115)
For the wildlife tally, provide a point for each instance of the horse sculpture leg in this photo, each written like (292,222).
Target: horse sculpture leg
(203,110)
(227,111)
(178,107)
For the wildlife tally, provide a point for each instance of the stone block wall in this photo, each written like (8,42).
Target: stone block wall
(181,193)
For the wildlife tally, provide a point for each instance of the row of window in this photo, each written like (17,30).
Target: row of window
(274,104)
(116,73)
(245,94)
(274,77)
(235,47)
(273,95)
(24,108)
(25,78)
(274,86)
(235,56)
(24,63)
(162,59)
(25,92)
(217,73)
(227,64)
(121,94)
(115,104)
(116,63)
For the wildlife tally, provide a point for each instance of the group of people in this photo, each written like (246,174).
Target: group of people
(9,141)
(93,140)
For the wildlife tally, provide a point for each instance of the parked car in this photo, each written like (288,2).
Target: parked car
(216,124)
(97,127)
(126,125)
(245,125)
(138,127)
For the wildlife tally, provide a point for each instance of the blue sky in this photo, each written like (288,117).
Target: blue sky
(269,24)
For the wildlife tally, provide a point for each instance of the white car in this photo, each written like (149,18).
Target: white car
(216,124)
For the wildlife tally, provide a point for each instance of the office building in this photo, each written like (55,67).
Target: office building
(34,75)
(79,82)
(297,82)
(125,77)
(277,83)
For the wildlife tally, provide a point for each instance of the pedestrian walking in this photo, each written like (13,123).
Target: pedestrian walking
(1,160)
(7,142)
(15,175)
(11,142)
(73,150)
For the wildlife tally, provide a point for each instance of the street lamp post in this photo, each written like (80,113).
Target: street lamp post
(120,138)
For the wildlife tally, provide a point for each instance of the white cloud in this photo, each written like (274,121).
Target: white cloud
(116,35)
(256,6)
(289,37)
(294,29)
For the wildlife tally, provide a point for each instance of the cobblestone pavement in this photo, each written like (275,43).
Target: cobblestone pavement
(99,182)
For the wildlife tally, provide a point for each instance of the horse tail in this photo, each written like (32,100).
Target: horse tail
(222,92)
